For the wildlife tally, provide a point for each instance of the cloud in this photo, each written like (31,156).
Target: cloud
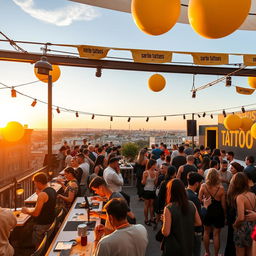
(61,17)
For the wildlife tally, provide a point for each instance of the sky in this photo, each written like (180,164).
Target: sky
(116,92)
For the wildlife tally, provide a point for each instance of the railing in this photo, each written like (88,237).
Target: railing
(7,193)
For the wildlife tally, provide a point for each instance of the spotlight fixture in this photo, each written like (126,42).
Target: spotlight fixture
(77,115)
(243,109)
(184,117)
(165,118)
(224,113)
(98,72)
(129,119)
(13,93)
(111,118)
(147,119)
(193,94)
(33,103)
(204,114)
(198,115)
(228,81)
(211,116)
(58,110)
(93,116)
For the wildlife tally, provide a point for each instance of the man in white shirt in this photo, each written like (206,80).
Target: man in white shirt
(8,222)
(112,175)
(86,169)
(126,240)
(160,160)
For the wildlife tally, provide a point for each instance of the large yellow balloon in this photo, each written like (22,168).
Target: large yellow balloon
(13,131)
(217,18)
(55,72)
(155,17)
(232,122)
(156,83)
(253,130)
(246,124)
(252,82)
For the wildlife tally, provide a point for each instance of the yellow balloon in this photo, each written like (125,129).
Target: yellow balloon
(253,131)
(217,18)
(13,131)
(232,122)
(252,82)
(246,124)
(55,72)
(155,17)
(156,83)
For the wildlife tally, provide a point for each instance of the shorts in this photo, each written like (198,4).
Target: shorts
(149,194)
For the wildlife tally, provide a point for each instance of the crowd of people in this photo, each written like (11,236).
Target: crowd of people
(189,196)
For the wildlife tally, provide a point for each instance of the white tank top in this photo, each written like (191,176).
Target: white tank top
(150,183)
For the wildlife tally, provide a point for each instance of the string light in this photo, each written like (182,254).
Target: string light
(147,119)
(165,118)
(13,93)
(193,94)
(228,81)
(33,103)
(184,117)
(204,114)
(58,110)
(129,119)
(93,116)
(224,113)
(211,116)
(98,72)
(77,115)
(198,115)
(111,119)
(243,109)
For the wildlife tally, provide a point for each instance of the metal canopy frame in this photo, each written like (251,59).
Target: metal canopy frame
(65,60)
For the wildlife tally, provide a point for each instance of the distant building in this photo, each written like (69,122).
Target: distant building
(15,157)
(169,140)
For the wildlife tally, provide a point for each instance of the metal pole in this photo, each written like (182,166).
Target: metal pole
(193,118)
(49,162)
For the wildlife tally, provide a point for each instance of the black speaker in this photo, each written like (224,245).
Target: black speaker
(191,128)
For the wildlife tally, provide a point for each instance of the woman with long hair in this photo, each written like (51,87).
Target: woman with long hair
(242,199)
(204,166)
(215,214)
(140,166)
(99,165)
(179,218)
(149,179)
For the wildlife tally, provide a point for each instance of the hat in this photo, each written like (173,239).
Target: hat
(237,166)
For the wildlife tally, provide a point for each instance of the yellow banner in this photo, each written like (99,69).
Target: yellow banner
(250,60)
(148,56)
(92,52)
(210,58)
(245,91)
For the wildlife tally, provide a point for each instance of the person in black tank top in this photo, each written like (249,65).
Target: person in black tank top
(44,210)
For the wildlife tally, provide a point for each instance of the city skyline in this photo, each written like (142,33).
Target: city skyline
(116,92)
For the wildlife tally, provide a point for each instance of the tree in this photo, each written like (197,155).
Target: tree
(130,150)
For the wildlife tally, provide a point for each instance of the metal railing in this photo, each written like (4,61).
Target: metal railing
(7,193)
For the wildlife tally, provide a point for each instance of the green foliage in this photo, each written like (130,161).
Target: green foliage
(142,144)
(130,150)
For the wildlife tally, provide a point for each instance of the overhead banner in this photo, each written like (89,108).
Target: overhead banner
(245,91)
(250,60)
(92,52)
(210,58)
(148,56)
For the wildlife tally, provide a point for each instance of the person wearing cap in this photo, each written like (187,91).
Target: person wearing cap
(112,175)
(126,239)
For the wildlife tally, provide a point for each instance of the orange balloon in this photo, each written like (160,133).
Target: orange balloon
(252,82)
(155,17)
(55,72)
(156,83)
(232,122)
(253,130)
(217,18)
(13,131)
(246,124)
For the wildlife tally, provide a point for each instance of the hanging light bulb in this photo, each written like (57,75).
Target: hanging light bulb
(111,118)
(147,119)
(58,110)
(224,113)
(93,116)
(129,119)
(228,81)
(13,93)
(98,72)
(204,114)
(211,116)
(243,109)
(33,103)
(198,115)
(193,94)
(77,115)
(184,117)
(165,118)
